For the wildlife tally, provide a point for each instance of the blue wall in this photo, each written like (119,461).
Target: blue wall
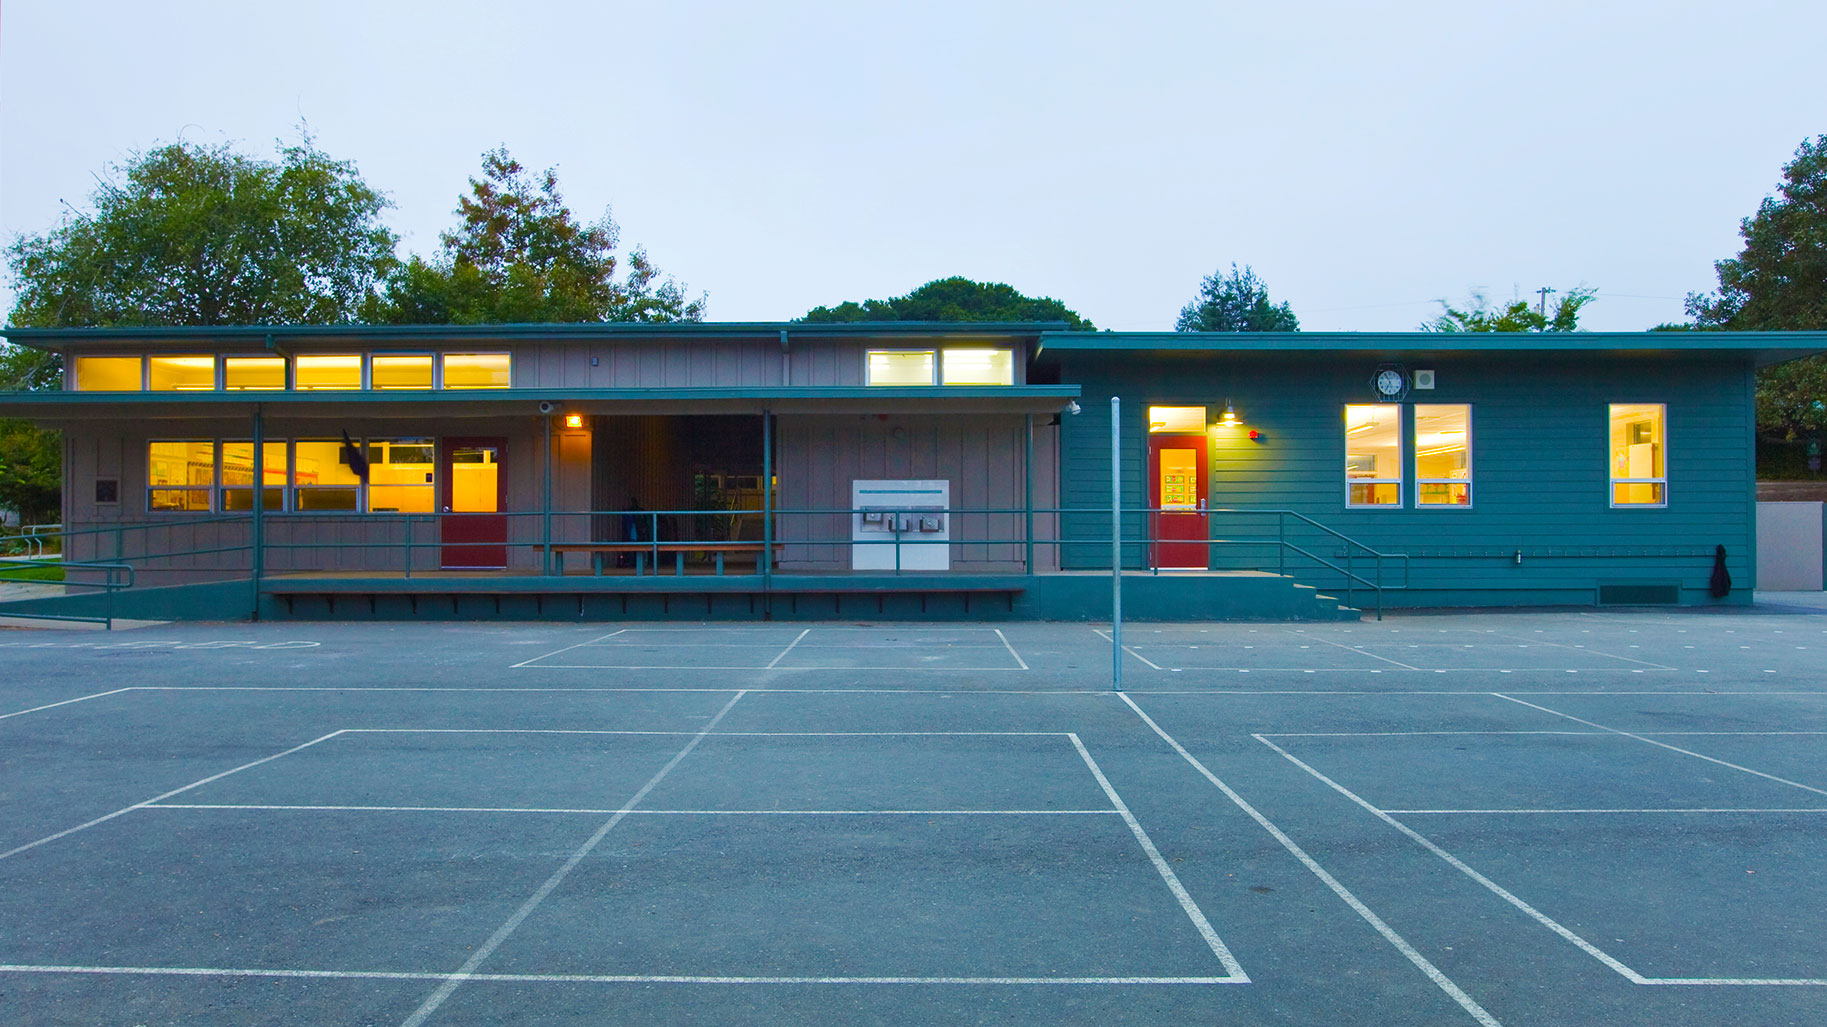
(1539,458)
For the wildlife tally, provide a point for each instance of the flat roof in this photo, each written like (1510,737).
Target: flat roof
(1767,347)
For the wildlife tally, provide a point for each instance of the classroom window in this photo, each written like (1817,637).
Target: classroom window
(900,367)
(400,371)
(401,473)
(187,373)
(322,478)
(1639,443)
(180,474)
(238,476)
(108,374)
(1443,455)
(315,371)
(978,367)
(253,374)
(1373,455)
(476,370)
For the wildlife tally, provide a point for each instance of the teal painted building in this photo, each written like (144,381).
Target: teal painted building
(894,470)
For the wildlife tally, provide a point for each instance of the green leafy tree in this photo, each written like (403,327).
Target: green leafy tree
(1778,283)
(518,255)
(1516,316)
(954,299)
(31,471)
(1235,302)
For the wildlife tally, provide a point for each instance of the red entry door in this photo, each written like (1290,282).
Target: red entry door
(473,498)
(1176,472)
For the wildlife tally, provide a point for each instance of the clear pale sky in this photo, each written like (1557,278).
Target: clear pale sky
(1367,159)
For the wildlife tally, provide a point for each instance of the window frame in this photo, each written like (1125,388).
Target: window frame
(939,371)
(75,366)
(932,379)
(209,491)
(438,370)
(293,488)
(1471,467)
(223,488)
(1612,482)
(1401,479)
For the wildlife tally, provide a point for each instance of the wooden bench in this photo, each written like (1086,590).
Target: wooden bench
(641,550)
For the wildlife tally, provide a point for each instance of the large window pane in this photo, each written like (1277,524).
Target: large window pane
(238,475)
(180,474)
(476,370)
(108,374)
(401,473)
(1639,474)
(328,371)
(900,367)
(1443,455)
(322,478)
(400,371)
(190,373)
(979,367)
(253,374)
(1373,455)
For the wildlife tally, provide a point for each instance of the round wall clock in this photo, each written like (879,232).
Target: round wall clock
(1390,382)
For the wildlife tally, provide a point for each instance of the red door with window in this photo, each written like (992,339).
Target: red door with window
(474,493)
(1176,472)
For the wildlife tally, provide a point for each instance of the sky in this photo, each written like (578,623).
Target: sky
(1368,160)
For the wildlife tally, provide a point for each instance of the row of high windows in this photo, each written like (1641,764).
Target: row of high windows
(1441,443)
(953,365)
(321,475)
(304,372)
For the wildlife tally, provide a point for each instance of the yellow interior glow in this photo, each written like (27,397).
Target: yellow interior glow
(108,374)
(1176,419)
(189,373)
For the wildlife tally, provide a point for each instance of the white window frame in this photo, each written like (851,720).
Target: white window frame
(1612,483)
(211,490)
(1401,479)
(1471,465)
(933,379)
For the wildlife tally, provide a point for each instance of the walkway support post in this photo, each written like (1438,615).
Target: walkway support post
(257,529)
(767,508)
(545,500)
(1027,495)
(1116,544)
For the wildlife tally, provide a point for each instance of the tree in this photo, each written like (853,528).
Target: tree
(954,299)
(1235,302)
(1778,283)
(518,255)
(193,235)
(1515,316)
(31,471)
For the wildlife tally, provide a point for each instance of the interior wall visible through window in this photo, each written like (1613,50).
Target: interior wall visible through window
(900,367)
(186,373)
(1373,455)
(402,475)
(1443,454)
(1639,444)
(109,374)
(180,474)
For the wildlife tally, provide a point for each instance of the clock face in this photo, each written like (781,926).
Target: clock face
(1389,382)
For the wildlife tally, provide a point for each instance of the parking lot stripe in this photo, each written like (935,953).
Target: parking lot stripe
(502,933)
(1421,962)
(66,702)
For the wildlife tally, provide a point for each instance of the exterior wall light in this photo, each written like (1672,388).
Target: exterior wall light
(574,420)
(1229,420)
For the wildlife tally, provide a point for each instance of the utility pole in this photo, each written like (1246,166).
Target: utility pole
(1542,308)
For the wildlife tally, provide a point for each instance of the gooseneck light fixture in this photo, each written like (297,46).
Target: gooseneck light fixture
(1229,419)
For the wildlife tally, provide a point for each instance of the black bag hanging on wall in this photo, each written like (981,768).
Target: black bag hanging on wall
(1722,579)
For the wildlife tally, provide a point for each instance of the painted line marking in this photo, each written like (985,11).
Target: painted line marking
(1665,745)
(567,649)
(1551,812)
(1200,923)
(165,795)
(1105,635)
(652,812)
(696,666)
(1584,649)
(1355,649)
(1421,962)
(783,653)
(1600,733)
(502,933)
(1535,914)
(1012,652)
(719,734)
(399,975)
(66,702)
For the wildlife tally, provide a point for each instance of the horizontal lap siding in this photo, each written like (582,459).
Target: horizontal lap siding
(1540,445)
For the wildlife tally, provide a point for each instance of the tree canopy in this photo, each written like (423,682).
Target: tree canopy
(519,255)
(1516,316)
(954,299)
(187,234)
(1235,302)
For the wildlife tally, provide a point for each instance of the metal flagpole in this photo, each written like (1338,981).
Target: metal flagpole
(1116,544)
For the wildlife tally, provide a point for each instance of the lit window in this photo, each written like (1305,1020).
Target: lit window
(180,474)
(400,371)
(253,374)
(1373,455)
(108,374)
(1179,420)
(1638,454)
(900,367)
(980,367)
(238,476)
(400,475)
(1443,455)
(327,371)
(322,478)
(476,371)
(190,373)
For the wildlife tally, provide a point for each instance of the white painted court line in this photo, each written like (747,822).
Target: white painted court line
(396,975)
(719,734)
(1583,649)
(617,666)
(1105,635)
(783,653)
(1012,652)
(1354,649)
(165,795)
(66,702)
(1534,914)
(652,812)
(502,933)
(568,648)
(1598,733)
(1200,923)
(1665,745)
(1555,812)
(1421,962)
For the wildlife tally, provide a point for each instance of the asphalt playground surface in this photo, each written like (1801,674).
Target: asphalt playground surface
(1565,817)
